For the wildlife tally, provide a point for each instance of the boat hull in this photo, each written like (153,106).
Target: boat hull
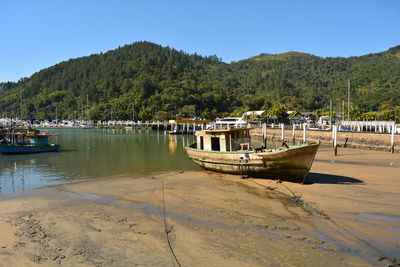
(290,164)
(9,149)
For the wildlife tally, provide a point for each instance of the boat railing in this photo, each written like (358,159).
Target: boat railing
(194,145)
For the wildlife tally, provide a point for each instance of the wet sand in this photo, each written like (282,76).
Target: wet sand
(347,215)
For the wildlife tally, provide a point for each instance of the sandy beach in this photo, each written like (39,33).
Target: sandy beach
(348,214)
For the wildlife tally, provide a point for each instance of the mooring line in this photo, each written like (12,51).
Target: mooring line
(167,231)
(293,196)
(321,213)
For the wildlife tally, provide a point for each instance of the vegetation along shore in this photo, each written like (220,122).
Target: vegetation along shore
(145,81)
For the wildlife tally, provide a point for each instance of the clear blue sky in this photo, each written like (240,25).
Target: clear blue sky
(36,34)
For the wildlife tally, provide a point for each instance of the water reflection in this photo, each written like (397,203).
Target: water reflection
(87,154)
(172,143)
(93,153)
(18,175)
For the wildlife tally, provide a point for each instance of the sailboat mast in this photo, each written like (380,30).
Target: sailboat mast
(348,100)
(87,105)
(12,129)
(20,102)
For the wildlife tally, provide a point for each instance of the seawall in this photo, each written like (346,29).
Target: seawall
(372,141)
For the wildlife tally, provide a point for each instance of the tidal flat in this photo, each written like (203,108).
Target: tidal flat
(348,214)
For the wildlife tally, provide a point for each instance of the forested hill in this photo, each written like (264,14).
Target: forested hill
(156,82)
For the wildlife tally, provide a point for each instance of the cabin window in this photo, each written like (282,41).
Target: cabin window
(244,146)
(215,144)
(201,142)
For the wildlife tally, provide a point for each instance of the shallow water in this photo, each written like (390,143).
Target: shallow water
(379,217)
(94,153)
(388,164)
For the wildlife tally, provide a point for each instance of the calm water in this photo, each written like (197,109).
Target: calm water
(93,153)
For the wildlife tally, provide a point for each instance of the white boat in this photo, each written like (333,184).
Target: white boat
(236,122)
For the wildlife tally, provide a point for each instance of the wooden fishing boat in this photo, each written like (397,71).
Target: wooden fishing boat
(27,142)
(229,151)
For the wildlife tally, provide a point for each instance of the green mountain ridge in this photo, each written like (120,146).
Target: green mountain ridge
(149,81)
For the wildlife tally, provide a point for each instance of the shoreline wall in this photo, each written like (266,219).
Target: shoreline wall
(372,141)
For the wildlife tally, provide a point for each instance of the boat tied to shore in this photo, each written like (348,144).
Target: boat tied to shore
(229,151)
(26,141)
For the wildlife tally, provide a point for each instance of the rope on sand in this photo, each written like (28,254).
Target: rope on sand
(167,231)
(296,197)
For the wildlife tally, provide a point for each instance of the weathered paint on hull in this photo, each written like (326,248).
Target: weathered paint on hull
(6,149)
(291,164)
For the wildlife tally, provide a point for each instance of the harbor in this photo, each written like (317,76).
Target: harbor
(118,182)
(200,133)
(128,149)
(93,153)
(373,135)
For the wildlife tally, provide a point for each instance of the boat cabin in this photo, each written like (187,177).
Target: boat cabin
(232,139)
(32,138)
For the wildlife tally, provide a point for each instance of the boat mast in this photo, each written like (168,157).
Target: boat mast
(87,105)
(20,102)
(330,110)
(348,100)
(11,129)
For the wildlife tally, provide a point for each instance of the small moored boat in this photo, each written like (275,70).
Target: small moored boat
(229,151)
(27,142)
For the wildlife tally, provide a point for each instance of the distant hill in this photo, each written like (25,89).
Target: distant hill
(155,82)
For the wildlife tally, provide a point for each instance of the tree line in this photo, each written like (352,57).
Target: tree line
(145,81)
